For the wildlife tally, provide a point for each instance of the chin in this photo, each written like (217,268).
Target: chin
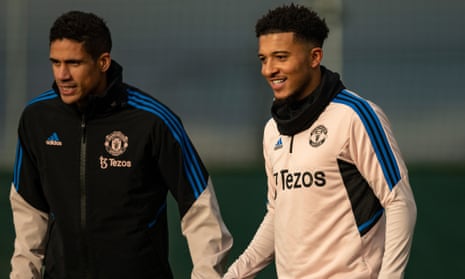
(281,96)
(68,100)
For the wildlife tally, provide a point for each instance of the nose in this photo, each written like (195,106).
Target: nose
(268,68)
(62,72)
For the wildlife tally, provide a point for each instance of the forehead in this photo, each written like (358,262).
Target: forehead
(275,42)
(66,49)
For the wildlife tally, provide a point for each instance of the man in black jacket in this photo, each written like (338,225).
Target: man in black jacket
(95,160)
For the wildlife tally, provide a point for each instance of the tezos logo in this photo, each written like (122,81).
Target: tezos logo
(318,136)
(116,143)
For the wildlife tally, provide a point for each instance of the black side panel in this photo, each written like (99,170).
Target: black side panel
(365,205)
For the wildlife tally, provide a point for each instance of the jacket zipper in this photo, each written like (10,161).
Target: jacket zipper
(82,174)
(291,146)
(83,198)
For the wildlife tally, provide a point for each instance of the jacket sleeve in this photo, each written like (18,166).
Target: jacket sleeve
(377,156)
(260,251)
(30,226)
(208,238)
(258,254)
(184,173)
(29,208)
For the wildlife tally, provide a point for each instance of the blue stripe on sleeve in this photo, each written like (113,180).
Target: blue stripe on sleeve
(50,94)
(18,162)
(191,164)
(376,133)
(159,211)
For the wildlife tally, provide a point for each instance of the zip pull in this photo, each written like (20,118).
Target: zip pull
(83,129)
(291,146)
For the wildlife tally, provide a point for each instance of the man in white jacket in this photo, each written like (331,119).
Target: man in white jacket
(339,199)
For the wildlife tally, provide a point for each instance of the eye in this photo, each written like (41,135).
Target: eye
(281,57)
(74,63)
(262,59)
(55,62)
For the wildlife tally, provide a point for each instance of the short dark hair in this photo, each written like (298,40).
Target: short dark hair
(83,27)
(302,21)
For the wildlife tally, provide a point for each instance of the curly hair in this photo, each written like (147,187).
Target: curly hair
(302,21)
(83,27)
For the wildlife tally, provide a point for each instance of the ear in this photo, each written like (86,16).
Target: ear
(104,62)
(316,55)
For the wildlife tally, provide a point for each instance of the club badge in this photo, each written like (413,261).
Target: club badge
(116,143)
(318,136)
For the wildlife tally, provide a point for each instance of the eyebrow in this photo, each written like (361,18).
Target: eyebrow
(276,52)
(68,61)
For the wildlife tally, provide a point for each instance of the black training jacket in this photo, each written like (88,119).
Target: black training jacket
(90,189)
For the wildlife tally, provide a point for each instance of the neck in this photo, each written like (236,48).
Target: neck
(314,82)
(99,91)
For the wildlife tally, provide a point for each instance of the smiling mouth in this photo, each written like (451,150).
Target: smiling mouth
(277,84)
(277,81)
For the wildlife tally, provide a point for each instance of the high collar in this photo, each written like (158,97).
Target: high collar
(113,97)
(294,116)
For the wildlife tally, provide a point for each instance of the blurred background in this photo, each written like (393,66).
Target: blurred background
(200,58)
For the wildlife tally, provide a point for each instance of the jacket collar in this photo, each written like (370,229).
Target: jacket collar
(294,116)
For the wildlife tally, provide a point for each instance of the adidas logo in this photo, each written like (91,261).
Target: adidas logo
(53,140)
(279,144)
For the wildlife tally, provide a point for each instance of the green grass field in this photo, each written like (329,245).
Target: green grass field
(438,246)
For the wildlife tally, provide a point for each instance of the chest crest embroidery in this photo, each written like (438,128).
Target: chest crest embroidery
(116,143)
(318,136)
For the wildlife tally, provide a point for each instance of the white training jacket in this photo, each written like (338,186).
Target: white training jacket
(339,200)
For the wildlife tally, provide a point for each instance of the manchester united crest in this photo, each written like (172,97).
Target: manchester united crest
(116,143)
(318,136)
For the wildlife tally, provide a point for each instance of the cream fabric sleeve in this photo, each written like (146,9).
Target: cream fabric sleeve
(396,196)
(400,222)
(258,254)
(207,236)
(29,247)
(260,251)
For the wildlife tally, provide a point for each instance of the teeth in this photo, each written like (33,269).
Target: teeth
(277,81)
